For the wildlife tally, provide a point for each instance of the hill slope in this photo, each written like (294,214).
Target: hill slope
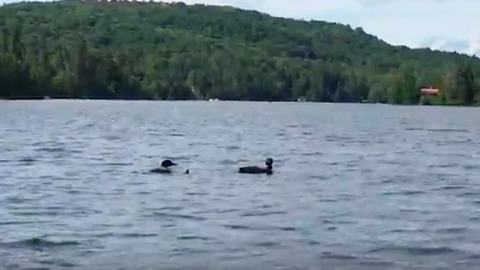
(174,51)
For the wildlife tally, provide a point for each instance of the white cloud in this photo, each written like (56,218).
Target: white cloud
(410,22)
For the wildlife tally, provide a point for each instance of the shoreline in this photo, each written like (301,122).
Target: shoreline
(233,100)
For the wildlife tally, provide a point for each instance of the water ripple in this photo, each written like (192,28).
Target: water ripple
(174,216)
(37,243)
(368,187)
(415,250)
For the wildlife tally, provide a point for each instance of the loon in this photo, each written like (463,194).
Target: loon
(165,167)
(258,170)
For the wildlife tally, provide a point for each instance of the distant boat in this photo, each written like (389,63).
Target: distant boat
(301,99)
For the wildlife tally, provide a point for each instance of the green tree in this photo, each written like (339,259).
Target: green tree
(155,50)
(465,83)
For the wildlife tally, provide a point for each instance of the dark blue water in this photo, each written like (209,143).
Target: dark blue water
(355,186)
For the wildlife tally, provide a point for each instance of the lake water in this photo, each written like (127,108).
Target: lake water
(355,186)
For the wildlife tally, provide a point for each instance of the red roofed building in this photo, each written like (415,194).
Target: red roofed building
(429,91)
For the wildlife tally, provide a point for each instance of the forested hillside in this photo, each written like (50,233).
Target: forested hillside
(137,50)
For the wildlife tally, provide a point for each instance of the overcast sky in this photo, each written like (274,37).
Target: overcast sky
(399,22)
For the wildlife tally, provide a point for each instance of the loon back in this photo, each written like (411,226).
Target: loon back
(160,170)
(258,170)
(255,170)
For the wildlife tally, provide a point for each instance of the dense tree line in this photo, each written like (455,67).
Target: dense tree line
(131,50)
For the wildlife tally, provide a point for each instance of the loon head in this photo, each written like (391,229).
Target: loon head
(168,163)
(269,162)
(164,167)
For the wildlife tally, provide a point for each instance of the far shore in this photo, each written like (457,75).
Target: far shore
(47,99)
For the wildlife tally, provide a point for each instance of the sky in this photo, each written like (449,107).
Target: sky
(412,23)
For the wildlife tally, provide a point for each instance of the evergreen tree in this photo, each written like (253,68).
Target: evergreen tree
(465,84)
(125,50)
